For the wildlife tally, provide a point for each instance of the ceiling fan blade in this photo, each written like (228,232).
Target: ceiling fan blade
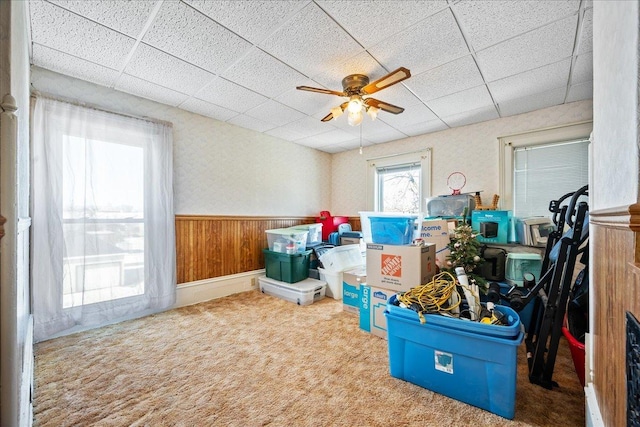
(330,116)
(327,118)
(319,90)
(390,79)
(389,108)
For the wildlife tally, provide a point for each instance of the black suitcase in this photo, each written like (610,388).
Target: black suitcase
(494,263)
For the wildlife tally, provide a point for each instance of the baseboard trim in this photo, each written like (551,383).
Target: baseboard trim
(204,290)
(592,410)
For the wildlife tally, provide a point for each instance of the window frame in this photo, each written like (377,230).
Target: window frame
(422,157)
(551,135)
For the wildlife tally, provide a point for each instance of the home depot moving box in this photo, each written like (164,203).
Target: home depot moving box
(373,303)
(437,231)
(400,268)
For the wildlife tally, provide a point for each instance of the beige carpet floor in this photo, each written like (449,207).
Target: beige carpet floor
(254,360)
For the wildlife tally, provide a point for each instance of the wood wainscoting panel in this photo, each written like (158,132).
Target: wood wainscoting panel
(616,290)
(215,246)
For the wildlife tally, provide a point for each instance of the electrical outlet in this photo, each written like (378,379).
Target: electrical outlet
(633,371)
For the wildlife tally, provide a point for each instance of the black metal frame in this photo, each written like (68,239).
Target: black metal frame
(552,289)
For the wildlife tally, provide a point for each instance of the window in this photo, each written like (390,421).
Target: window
(399,183)
(541,166)
(103,225)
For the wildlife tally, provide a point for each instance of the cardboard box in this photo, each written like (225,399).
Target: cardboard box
(400,268)
(373,303)
(437,231)
(352,282)
(493,226)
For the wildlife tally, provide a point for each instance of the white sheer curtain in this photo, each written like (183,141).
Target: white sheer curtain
(103,224)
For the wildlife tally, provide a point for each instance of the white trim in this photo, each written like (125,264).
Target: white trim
(423,157)
(508,143)
(204,290)
(592,410)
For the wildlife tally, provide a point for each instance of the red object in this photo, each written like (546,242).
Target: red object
(577,353)
(330,223)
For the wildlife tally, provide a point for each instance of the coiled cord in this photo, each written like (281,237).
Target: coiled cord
(433,297)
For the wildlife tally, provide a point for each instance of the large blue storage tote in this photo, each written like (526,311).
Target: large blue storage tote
(461,363)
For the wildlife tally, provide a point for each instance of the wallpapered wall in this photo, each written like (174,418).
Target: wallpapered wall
(219,169)
(472,150)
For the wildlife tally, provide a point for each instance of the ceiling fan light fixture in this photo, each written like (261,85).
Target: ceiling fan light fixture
(355,104)
(355,118)
(373,112)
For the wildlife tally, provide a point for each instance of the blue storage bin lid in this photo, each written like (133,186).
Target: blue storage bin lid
(510,331)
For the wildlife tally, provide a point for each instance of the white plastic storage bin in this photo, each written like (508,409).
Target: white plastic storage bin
(334,262)
(314,232)
(287,240)
(304,292)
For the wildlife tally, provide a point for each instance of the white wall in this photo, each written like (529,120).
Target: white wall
(616,111)
(472,150)
(219,168)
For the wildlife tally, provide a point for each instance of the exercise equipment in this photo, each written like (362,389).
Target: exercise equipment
(553,287)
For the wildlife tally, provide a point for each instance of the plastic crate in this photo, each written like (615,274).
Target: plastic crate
(465,365)
(518,264)
(287,240)
(290,268)
(392,230)
(314,230)
(304,292)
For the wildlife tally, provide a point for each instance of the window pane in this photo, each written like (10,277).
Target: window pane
(399,188)
(547,172)
(103,221)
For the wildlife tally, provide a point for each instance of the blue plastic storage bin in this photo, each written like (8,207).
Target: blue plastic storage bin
(510,331)
(466,365)
(392,230)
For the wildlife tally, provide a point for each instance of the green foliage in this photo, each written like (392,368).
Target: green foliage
(464,251)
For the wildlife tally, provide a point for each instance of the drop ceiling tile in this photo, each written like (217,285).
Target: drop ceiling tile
(533,102)
(127,17)
(582,69)
(263,74)
(452,77)
(398,95)
(187,34)
(417,113)
(580,92)
(363,63)
(309,102)
(334,136)
(530,82)
(425,127)
(248,122)
(70,65)
(531,50)
(310,52)
(208,109)
(274,112)
(308,126)
(387,17)
(431,42)
(230,95)
(252,20)
(466,100)
(285,133)
(67,32)
(586,32)
(149,90)
(488,22)
(151,64)
(473,116)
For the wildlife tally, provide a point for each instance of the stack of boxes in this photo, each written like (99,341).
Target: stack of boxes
(287,262)
(393,264)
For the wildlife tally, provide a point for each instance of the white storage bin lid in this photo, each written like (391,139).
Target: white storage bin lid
(342,258)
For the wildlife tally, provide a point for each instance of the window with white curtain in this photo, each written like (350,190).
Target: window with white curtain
(399,183)
(540,166)
(103,223)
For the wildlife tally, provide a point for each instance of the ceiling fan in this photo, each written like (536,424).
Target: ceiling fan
(356,87)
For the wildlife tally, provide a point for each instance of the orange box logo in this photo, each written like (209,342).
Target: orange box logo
(391,265)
